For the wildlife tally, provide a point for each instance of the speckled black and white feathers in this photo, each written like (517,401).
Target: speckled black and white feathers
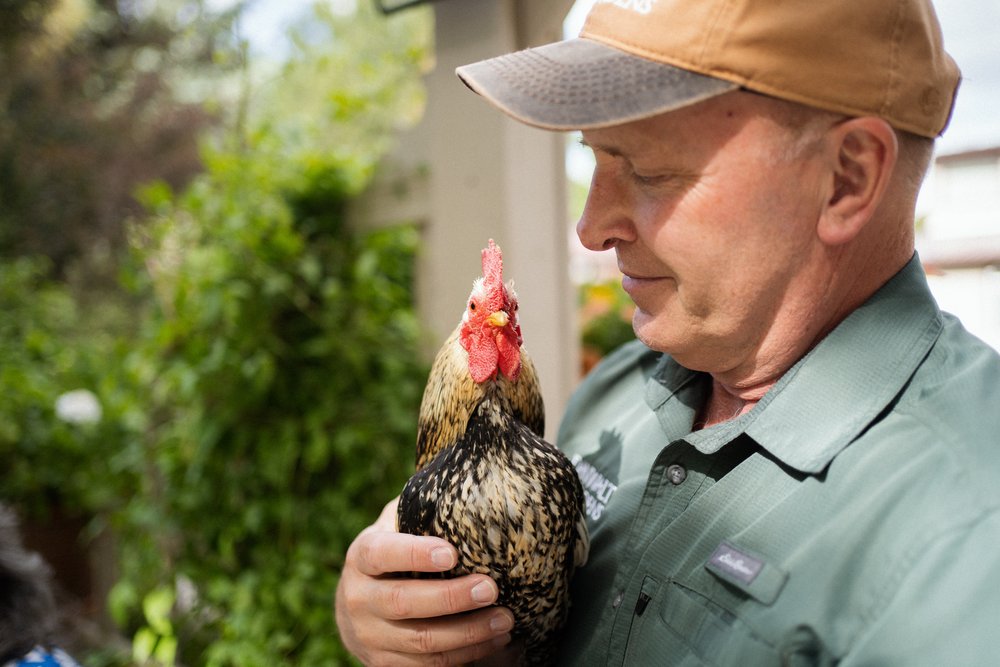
(451,395)
(512,505)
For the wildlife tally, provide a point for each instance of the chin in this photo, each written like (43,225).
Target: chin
(654,334)
(663,334)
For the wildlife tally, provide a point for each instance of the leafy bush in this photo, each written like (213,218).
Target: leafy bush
(52,463)
(95,99)
(281,371)
(283,375)
(262,405)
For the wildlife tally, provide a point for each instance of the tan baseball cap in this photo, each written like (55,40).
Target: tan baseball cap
(640,58)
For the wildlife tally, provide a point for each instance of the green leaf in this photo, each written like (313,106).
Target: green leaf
(156,607)
(166,651)
(143,645)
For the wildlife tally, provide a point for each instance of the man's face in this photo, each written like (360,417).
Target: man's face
(712,212)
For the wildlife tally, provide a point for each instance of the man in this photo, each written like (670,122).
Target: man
(800,463)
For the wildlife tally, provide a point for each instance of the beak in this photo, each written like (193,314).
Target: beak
(498,319)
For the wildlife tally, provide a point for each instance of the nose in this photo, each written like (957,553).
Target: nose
(606,219)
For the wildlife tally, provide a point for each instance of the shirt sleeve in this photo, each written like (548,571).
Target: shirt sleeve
(947,610)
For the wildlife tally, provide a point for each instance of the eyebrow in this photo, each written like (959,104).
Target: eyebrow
(610,150)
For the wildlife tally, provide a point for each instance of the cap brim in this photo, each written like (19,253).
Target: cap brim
(582,84)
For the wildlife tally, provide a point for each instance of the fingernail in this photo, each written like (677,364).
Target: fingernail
(443,558)
(483,592)
(501,623)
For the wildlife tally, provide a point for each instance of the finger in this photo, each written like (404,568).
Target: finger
(387,519)
(460,635)
(377,552)
(493,647)
(462,656)
(400,599)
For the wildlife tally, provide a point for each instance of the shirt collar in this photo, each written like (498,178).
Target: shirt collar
(836,390)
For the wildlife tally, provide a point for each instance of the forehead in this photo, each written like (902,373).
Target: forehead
(696,131)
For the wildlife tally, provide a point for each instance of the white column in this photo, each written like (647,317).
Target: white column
(491,177)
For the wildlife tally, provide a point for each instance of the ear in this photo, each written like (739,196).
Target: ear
(862,154)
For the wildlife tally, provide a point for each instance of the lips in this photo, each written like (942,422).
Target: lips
(638,276)
(641,275)
(633,283)
(636,280)
(640,271)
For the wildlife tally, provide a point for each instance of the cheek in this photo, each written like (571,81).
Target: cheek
(697,241)
(715,265)
(732,228)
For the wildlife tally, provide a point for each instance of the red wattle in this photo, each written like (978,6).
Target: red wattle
(509,352)
(483,355)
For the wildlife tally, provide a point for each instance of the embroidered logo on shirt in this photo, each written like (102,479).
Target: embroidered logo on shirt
(638,6)
(728,560)
(597,488)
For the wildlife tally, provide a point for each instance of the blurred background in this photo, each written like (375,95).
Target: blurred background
(233,233)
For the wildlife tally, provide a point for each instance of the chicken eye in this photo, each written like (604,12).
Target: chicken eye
(472,305)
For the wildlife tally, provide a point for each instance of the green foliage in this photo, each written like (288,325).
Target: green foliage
(259,383)
(19,19)
(283,376)
(156,641)
(49,463)
(280,369)
(95,99)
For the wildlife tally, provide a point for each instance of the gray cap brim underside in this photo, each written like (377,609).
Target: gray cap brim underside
(581,84)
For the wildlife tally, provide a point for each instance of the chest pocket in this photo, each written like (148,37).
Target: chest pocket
(711,617)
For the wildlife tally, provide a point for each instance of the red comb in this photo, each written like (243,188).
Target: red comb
(492,265)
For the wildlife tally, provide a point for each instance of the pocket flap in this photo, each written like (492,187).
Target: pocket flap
(747,571)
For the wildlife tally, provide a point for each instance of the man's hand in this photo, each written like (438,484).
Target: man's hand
(389,620)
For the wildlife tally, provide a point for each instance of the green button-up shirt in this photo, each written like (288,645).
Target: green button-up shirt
(852,516)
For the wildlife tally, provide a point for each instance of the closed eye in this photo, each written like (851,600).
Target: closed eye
(651,179)
(674,180)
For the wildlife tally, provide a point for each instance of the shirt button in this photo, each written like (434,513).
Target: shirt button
(676,474)
(617,602)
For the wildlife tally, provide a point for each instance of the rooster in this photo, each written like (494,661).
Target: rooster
(486,481)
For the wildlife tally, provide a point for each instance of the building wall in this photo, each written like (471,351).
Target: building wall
(468,173)
(959,239)
(973,295)
(966,190)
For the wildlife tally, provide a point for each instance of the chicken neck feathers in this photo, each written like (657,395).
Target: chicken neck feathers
(451,395)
